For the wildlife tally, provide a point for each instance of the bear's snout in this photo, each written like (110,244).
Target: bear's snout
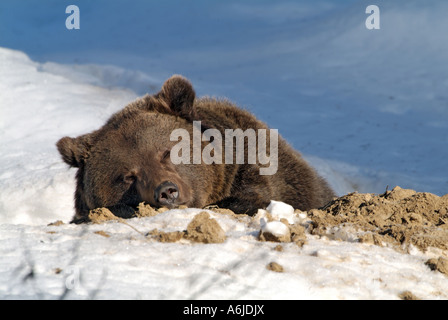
(166,194)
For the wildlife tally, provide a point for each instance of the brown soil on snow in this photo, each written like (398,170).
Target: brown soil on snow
(274,266)
(399,217)
(205,229)
(202,227)
(440,264)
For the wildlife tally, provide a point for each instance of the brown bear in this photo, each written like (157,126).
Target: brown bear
(130,159)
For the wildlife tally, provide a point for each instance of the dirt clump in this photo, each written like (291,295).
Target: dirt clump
(205,229)
(145,210)
(278,248)
(100,215)
(162,236)
(274,266)
(298,235)
(240,216)
(202,229)
(400,217)
(56,223)
(102,233)
(440,264)
(408,295)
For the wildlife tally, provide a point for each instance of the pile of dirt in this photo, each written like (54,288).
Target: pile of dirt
(100,215)
(399,217)
(202,228)
(205,229)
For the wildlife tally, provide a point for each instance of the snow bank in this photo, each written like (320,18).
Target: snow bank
(37,109)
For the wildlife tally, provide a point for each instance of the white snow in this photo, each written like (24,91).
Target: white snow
(368,108)
(275,228)
(37,109)
(279,210)
(129,266)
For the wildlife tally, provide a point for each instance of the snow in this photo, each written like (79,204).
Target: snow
(367,108)
(126,265)
(279,210)
(275,228)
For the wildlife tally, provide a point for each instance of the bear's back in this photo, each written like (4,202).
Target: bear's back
(295,182)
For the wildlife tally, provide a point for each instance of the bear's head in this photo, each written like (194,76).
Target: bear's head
(127,161)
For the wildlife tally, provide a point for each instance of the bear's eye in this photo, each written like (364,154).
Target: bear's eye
(166,154)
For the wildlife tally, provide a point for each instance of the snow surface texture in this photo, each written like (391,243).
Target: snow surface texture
(36,108)
(116,260)
(367,108)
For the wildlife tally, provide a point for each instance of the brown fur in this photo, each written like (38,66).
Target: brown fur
(123,162)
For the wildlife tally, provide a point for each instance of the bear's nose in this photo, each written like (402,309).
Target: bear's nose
(166,193)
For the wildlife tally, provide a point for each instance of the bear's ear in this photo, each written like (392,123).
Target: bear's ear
(74,150)
(179,95)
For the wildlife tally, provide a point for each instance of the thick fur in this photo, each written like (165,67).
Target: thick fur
(123,162)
